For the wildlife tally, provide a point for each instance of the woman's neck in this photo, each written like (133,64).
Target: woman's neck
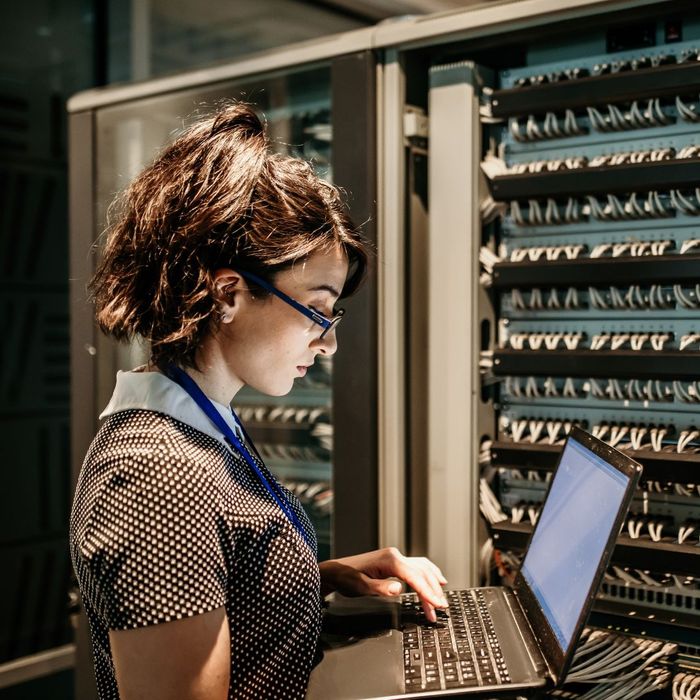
(213,374)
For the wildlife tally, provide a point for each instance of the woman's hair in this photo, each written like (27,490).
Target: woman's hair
(216,197)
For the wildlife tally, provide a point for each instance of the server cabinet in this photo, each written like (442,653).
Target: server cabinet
(562,281)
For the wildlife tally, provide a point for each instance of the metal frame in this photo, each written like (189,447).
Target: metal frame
(44,663)
(392,285)
(453,346)
(440,28)
(83,353)
(355,419)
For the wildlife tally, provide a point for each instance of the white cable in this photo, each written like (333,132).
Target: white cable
(514,126)
(637,340)
(553,300)
(684,532)
(553,428)
(551,340)
(680,392)
(689,244)
(685,438)
(569,388)
(517,429)
(617,433)
(571,298)
(516,299)
(489,504)
(535,340)
(599,341)
(536,427)
(531,389)
(596,299)
(687,340)
(534,212)
(572,340)
(516,213)
(531,128)
(600,249)
(597,392)
(550,387)
(618,340)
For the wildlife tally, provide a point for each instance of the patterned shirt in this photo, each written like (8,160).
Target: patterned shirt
(169,522)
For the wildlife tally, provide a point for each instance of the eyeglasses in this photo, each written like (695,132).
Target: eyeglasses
(328,324)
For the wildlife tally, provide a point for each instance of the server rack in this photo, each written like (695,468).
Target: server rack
(562,289)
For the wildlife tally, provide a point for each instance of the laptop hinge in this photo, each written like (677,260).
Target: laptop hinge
(539,660)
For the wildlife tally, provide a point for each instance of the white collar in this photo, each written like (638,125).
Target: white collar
(153,391)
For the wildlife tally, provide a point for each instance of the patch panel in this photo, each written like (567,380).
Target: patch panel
(600,64)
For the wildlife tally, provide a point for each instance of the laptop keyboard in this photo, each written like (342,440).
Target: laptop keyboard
(458,651)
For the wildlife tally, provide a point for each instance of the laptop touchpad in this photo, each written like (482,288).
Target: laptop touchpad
(361,650)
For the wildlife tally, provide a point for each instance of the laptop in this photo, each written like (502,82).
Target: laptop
(492,640)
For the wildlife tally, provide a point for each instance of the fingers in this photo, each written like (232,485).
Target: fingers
(386,587)
(371,574)
(425,579)
(351,582)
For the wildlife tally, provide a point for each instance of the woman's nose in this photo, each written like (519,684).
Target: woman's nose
(326,345)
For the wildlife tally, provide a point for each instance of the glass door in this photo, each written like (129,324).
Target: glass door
(294,433)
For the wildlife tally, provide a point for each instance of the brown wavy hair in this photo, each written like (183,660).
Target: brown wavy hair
(216,197)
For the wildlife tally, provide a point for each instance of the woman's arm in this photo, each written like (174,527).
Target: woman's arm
(187,659)
(371,573)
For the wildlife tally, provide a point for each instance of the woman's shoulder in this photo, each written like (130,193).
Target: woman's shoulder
(140,431)
(151,449)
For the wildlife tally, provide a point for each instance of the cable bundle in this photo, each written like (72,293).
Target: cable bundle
(631,248)
(554,300)
(548,214)
(686,686)
(623,668)
(551,127)
(489,505)
(631,299)
(549,252)
(546,341)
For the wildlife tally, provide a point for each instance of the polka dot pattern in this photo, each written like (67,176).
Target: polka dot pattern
(167,523)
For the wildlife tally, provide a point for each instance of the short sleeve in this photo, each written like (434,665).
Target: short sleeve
(154,546)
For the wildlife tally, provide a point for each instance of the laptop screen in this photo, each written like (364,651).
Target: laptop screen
(571,536)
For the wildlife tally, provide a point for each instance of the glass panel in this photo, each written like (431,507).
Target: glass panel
(293,433)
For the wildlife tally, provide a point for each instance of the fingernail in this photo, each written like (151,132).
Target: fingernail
(444,602)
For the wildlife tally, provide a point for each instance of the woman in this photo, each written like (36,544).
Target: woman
(198,570)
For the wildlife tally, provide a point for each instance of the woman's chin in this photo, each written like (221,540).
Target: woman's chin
(279,389)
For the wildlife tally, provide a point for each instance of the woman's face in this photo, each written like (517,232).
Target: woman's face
(267,343)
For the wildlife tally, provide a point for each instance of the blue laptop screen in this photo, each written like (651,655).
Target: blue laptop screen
(571,534)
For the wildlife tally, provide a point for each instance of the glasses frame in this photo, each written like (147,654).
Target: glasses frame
(328,324)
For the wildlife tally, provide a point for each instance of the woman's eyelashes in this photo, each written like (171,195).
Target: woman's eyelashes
(328,313)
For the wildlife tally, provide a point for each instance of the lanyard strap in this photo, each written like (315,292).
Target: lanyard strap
(199,397)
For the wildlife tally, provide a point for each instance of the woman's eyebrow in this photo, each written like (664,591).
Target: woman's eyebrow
(326,288)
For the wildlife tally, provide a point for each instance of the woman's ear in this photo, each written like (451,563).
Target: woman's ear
(227,285)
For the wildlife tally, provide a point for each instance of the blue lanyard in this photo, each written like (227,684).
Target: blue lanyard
(200,398)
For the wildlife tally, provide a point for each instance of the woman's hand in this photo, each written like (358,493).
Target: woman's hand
(373,573)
